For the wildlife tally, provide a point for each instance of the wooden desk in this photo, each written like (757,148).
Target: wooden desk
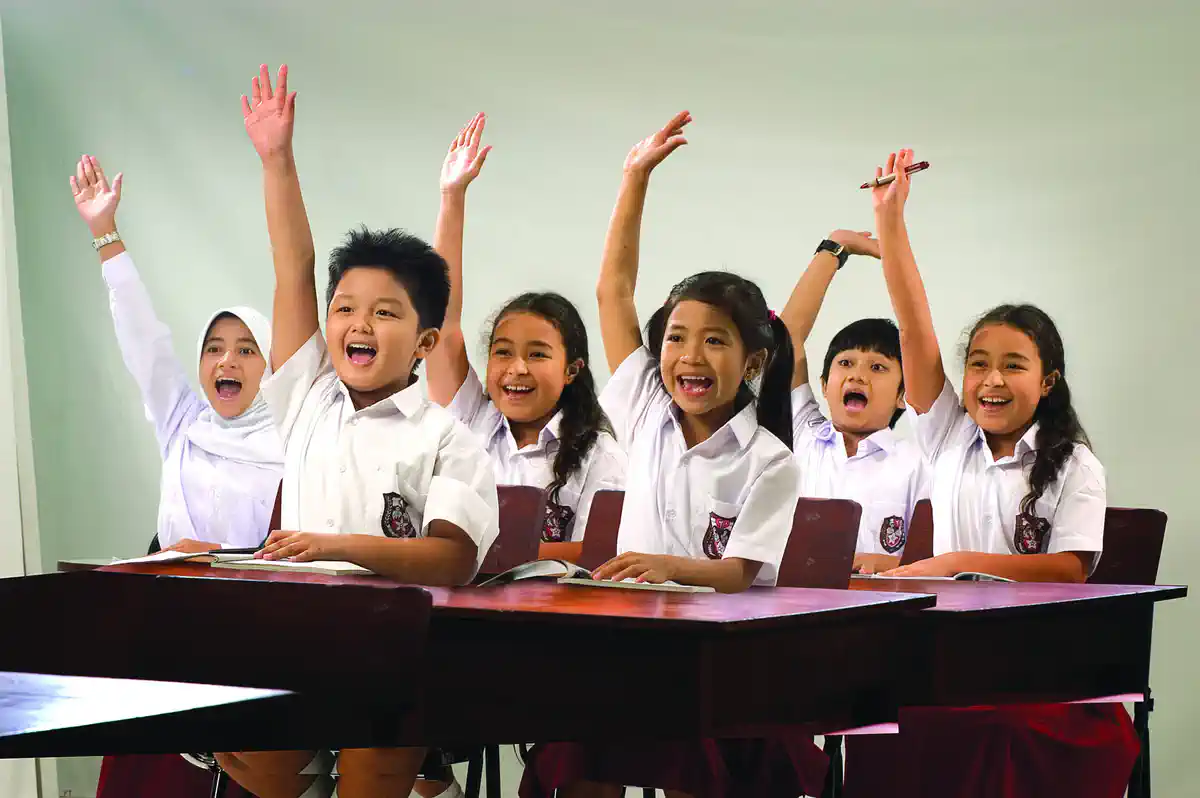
(1010,642)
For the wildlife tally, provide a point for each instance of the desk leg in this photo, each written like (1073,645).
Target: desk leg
(833,778)
(1139,782)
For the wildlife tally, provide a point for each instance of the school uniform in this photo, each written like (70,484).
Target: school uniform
(887,476)
(1030,751)
(733,495)
(603,467)
(390,469)
(219,476)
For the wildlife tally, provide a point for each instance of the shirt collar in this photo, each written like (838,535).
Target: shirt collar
(742,426)
(408,401)
(548,433)
(884,439)
(1027,444)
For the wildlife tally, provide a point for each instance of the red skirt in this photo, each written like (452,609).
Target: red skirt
(156,776)
(1032,751)
(783,766)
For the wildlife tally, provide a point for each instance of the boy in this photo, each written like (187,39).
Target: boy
(855,454)
(374,473)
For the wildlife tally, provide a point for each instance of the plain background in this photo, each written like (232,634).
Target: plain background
(1061,137)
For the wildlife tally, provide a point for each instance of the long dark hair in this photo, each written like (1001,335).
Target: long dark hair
(582,418)
(760,329)
(1059,428)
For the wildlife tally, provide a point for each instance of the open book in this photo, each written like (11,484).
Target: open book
(965,576)
(215,555)
(568,573)
(244,559)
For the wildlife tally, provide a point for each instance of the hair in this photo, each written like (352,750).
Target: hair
(412,262)
(759,328)
(582,417)
(1059,428)
(880,336)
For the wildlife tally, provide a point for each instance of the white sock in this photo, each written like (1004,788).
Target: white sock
(322,787)
(453,791)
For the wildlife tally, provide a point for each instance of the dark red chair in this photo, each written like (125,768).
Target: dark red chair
(522,515)
(820,550)
(919,545)
(600,537)
(1133,541)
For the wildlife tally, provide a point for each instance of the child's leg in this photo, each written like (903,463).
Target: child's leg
(433,788)
(277,774)
(374,772)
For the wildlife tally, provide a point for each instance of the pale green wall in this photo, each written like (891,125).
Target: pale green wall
(1062,137)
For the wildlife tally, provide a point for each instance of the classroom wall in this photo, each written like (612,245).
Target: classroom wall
(1060,136)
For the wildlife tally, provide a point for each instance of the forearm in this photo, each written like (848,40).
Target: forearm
(800,312)
(1062,567)
(730,575)
(618,272)
(446,366)
(431,560)
(923,371)
(295,308)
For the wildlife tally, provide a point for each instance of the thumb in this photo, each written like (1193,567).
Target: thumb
(477,164)
(116,185)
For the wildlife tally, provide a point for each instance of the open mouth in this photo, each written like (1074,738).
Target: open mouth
(360,354)
(993,402)
(694,385)
(228,388)
(517,391)
(854,400)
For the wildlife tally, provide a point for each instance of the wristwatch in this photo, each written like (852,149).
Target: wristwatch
(835,249)
(105,240)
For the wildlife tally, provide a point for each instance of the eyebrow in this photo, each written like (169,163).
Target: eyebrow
(710,328)
(1013,355)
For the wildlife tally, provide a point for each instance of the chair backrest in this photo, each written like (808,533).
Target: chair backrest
(820,550)
(277,513)
(522,516)
(600,537)
(919,545)
(1133,541)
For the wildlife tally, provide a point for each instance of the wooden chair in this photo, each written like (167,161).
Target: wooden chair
(1133,541)
(919,545)
(522,515)
(820,550)
(600,537)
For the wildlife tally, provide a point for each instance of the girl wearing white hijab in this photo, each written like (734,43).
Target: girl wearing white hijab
(222,458)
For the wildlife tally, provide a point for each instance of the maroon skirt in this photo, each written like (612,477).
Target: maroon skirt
(156,776)
(1030,751)
(781,766)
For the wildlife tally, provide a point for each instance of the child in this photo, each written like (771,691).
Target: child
(712,485)
(539,417)
(222,457)
(1017,493)
(373,472)
(854,454)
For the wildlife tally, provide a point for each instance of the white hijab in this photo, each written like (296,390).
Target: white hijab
(251,437)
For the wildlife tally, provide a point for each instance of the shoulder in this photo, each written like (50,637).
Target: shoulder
(1085,462)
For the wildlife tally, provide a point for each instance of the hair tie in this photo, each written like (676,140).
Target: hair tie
(771,315)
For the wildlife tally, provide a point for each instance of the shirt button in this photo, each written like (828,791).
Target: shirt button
(329,523)
(342,469)
(670,515)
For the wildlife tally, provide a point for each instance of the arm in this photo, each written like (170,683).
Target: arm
(269,117)
(144,340)
(727,575)
(800,312)
(446,366)
(1067,566)
(445,557)
(619,265)
(924,375)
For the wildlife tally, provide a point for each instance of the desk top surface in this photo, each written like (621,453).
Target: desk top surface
(965,596)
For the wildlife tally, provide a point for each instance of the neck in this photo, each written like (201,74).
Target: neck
(699,428)
(1005,444)
(852,440)
(526,433)
(363,399)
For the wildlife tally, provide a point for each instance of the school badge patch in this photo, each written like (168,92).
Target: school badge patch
(557,527)
(892,534)
(1030,534)
(717,535)
(395,521)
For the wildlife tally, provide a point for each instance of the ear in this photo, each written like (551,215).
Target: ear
(426,341)
(900,405)
(1049,381)
(573,369)
(754,365)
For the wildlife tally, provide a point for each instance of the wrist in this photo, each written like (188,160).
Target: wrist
(102,227)
(278,160)
(635,179)
(454,195)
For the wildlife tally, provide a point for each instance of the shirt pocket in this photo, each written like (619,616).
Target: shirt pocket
(559,525)
(396,506)
(886,528)
(718,520)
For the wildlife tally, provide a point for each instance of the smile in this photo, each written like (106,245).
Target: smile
(360,354)
(694,385)
(228,388)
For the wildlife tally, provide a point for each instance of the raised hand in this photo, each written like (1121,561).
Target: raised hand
(269,114)
(890,199)
(650,152)
(465,158)
(856,243)
(95,199)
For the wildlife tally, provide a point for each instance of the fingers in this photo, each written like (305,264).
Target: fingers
(891,164)
(264,80)
(289,106)
(672,144)
(675,126)
(878,172)
(613,566)
(256,97)
(477,164)
(89,171)
(80,177)
(288,550)
(74,186)
(245,106)
(477,126)
(281,81)
(116,185)
(101,180)
(633,571)
(274,540)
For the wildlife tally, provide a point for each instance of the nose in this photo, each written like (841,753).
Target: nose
(361,323)
(994,378)
(693,351)
(226,358)
(859,374)
(519,366)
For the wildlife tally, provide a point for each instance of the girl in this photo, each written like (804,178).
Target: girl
(713,484)
(222,458)
(1017,493)
(538,415)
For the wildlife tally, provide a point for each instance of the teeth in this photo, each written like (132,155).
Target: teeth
(992,400)
(360,348)
(518,388)
(694,379)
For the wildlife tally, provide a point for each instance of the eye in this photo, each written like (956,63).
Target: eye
(674,338)
(713,340)
(501,352)
(539,355)
(343,309)
(1014,367)
(879,367)
(844,362)
(977,363)
(246,351)
(382,312)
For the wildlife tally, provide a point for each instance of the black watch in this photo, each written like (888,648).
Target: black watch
(834,248)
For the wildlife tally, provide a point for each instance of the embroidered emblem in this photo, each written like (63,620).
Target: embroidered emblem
(557,528)
(1031,533)
(717,535)
(395,522)
(892,534)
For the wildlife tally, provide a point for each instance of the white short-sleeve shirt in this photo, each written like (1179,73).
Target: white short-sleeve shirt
(977,499)
(887,476)
(733,495)
(602,469)
(389,469)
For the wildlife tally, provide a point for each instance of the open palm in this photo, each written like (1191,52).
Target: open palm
(465,159)
(269,113)
(650,152)
(95,199)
